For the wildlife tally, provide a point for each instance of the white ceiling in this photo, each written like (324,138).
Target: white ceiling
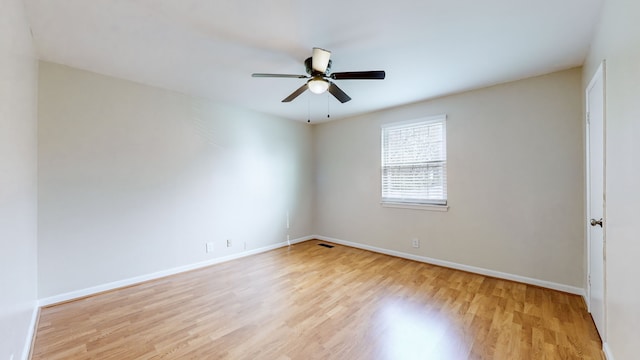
(209,48)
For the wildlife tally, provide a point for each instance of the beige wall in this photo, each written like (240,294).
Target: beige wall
(135,179)
(18,150)
(618,42)
(515,181)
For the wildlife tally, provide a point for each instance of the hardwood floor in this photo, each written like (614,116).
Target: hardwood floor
(313,302)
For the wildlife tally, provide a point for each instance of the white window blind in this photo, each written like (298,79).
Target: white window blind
(414,162)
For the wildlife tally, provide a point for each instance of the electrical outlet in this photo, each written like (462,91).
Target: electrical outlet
(209,247)
(228,242)
(415,243)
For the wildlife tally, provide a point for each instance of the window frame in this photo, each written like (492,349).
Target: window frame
(423,204)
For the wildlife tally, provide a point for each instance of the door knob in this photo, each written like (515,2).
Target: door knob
(595,222)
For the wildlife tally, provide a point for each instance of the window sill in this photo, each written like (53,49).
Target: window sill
(426,207)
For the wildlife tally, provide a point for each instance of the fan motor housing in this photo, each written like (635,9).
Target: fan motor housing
(309,68)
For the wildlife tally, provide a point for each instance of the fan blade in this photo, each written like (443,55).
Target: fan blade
(279,76)
(338,93)
(359,75)
(296,93)
(320,60)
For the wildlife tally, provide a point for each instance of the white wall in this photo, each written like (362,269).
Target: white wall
(515,181)
(135,179)
(18,166)
(618,41)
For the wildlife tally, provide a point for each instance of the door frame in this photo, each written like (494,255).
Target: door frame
(600,73)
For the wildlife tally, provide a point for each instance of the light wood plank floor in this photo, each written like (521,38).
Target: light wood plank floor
(312,302)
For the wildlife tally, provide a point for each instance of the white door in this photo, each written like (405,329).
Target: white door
(596,199)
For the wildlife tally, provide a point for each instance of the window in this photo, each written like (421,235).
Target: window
(414,162)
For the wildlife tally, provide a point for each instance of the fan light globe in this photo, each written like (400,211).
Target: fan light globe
(318,86)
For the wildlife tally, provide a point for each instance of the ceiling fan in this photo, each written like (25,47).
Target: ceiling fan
(317,67)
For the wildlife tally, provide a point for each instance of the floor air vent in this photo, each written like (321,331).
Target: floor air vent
(326,245)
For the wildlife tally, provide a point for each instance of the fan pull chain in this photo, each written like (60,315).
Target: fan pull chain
(308,109)
(328,108)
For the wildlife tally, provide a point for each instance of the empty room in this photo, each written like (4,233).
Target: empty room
(341,180)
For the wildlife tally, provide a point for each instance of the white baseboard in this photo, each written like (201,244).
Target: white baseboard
(497,274)
(607,351)
(160,274)
(138,279)
(28,341)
